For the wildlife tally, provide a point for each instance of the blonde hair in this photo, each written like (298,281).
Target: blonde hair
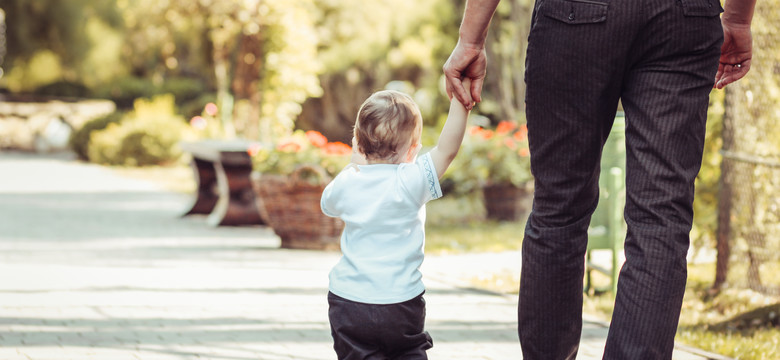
(386,123)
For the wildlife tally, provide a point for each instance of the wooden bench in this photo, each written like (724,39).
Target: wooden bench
(224,189)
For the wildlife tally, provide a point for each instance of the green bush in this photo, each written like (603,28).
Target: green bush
(194,107)
(64,89)
(184,89)
(79,139)
(126,90)
(149,135)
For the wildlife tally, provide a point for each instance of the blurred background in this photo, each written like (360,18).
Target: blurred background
(270,67)
(123,82)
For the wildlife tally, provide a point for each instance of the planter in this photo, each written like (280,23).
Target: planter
(290,205)
(506,202)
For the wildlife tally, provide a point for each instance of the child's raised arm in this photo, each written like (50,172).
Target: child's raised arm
(451,135)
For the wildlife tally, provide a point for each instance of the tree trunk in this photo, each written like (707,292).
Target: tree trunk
(724,230)
(334,113)
(246,86)
(506,61)
(723,233)
(222,77)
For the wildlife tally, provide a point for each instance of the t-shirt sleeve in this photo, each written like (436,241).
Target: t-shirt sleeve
(327,202)
(422,180)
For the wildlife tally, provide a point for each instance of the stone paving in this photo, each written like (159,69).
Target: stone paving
(97,266)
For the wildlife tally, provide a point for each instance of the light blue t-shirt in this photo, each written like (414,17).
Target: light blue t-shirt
(383,207)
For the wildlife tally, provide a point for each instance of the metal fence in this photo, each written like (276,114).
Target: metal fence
(754,217)
(750,203)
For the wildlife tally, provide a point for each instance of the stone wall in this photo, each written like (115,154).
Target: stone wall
(45,124)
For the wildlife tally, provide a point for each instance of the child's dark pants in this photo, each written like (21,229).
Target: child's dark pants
(373,332)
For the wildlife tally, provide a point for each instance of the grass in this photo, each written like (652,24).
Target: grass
(473,237)
(458,225)
(761,344)
(703,309)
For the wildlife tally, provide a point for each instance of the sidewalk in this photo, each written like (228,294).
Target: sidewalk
(96,266)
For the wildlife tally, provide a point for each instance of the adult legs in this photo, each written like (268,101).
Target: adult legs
(574,77)
(665,98)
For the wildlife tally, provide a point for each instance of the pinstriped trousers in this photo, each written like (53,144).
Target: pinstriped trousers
(658,57)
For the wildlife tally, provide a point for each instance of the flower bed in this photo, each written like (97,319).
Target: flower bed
(289,179)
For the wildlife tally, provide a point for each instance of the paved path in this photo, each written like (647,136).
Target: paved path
(96,266)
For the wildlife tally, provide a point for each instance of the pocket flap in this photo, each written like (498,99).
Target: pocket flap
(575,12)
(701,7)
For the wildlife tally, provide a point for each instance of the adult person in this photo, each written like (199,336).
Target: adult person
(661,58)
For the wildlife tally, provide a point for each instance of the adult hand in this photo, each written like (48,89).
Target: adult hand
(736,54)
(469,62)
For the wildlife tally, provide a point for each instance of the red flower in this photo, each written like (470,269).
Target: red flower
(505,127)
(211,109)
(511,144)
(522,133)
(316,138)
(199,122)
(524,152)
(475,130)
(288,146)
(337,148)
(487,134)
(254,148)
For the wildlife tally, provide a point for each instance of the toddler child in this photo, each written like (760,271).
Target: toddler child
(376,305)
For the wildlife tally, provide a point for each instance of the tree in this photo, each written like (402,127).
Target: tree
(261,55)
(366,45)
(50,31)
(750,216)
(505,85)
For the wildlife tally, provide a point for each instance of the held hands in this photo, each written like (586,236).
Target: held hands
(736,54)
(470,63)
(466,82)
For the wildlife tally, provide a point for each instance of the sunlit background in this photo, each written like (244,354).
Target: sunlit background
(124,84)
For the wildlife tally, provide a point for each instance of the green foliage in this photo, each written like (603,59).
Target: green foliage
(289,74)
(164,38)
(52,27)
(43,67)
(126,90)
(64,88)
(184,89)
(149,135)
(402,34)
(504,88)
(194,107)
(105,60)
(705,204)
(79,139)
(366,45)
(218,41)
(124,50)
(488,156)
